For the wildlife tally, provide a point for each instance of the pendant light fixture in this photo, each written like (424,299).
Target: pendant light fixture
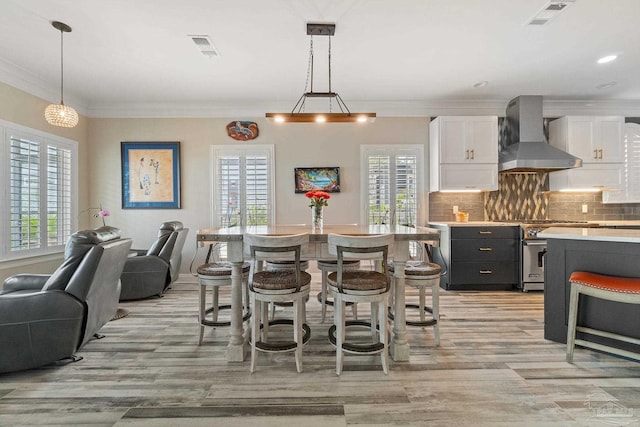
(60,114)
(297,114)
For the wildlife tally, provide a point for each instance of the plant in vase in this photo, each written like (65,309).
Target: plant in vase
(99,213)
(317,200)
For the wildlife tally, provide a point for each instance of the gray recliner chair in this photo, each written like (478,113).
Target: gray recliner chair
(151,271)
(46,318)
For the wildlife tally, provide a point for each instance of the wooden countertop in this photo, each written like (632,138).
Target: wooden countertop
(593,234)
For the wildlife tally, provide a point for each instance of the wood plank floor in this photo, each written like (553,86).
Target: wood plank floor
(493,368)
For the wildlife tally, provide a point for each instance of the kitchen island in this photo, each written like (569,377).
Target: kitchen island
(614,252)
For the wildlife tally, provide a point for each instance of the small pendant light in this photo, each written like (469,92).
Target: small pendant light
(60,114)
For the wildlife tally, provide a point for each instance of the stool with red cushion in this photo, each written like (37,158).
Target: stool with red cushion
(612,288)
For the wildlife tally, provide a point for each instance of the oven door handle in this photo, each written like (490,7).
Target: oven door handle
(541,255)
(534,242)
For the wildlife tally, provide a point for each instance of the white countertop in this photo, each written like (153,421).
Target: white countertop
(614,223)
(473,224)
(594,234)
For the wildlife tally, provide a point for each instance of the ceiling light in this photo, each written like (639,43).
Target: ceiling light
(298,115)
(608,58)
(481,84)
(606,85)
(60,114)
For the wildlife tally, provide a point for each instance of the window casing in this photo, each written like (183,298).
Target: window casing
(39,181)
(392,184)
(243,185)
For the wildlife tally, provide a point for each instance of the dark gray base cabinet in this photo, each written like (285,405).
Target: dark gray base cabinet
(479,258)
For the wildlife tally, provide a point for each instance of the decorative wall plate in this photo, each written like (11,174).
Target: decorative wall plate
(242,131)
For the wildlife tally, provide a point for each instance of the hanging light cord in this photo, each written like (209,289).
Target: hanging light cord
(61,67)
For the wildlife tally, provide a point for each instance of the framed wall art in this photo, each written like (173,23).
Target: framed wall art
(325,179)
(150,175)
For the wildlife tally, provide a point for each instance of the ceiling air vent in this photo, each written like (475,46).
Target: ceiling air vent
(206,46)
(549,11)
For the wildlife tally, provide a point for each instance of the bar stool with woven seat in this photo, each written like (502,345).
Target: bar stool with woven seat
(215,274)
(280,286)
(612,288)
(329,265)
(422,274)
(360,286)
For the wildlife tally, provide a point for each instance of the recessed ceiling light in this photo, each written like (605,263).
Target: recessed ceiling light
(481,84)
(607,58)
(606,85)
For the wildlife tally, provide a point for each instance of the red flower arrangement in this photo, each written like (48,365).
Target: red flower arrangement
(318,198)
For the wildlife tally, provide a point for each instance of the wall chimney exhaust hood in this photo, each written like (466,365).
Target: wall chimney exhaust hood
(525,147)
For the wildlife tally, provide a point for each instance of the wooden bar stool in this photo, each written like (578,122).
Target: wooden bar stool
(265,287)
(422,275)
(360,286)
(612,288)
(213,275)
(327,266)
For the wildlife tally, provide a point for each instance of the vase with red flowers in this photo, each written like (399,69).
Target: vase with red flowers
(317,201)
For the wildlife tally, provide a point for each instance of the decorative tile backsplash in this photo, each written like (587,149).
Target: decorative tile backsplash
(524,196)
(519,196)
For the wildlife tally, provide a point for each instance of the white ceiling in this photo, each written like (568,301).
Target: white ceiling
(395,57)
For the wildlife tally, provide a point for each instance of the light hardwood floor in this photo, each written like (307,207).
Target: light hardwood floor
(493,368)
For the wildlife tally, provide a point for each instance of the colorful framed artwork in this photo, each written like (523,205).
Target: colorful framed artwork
(150,175)
(325,179)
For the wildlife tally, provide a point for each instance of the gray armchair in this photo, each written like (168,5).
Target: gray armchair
(151,271)
(45,318)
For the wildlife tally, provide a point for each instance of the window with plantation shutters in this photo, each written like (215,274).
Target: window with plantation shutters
(630,192)
(392,184)
(242,185)
(39,179)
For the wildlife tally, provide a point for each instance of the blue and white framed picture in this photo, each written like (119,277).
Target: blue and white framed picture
(150,175)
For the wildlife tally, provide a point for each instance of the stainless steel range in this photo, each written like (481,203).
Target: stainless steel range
(534,249)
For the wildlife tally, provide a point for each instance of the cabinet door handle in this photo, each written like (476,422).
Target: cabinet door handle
(595,153)
(484,232)
(466,154)
(600,151)
(473,155)
(485,249)
(486,272)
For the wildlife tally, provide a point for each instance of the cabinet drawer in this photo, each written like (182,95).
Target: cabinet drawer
(490,232)
(490,272)
(484,250)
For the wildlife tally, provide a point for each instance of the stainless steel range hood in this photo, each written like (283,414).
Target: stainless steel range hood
(525,148)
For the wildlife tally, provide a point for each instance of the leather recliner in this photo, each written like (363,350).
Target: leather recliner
(46,318)
(151,271)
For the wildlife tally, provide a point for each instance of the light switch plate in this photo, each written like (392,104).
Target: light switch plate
(585,208)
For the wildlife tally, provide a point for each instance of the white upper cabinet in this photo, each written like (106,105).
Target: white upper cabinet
(593,139)
(463,152)
(467,139)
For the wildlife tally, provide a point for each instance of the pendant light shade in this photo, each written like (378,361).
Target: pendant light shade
(298,115)
(59,114)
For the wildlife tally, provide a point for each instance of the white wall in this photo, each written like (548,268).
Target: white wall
(296,145)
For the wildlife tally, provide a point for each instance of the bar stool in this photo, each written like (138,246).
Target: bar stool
(280,286)
(612,288)
(286,265)
(329,265)
(360,286)
(422,275)
(213,275)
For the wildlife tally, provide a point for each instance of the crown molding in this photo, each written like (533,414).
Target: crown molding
(29,82)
